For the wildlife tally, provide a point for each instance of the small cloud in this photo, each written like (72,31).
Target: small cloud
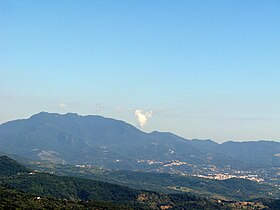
(142,116)
(62,105)
(97,110)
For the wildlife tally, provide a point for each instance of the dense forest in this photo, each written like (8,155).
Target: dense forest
(21,188)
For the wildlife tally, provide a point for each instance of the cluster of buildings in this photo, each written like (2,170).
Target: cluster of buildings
(228,176)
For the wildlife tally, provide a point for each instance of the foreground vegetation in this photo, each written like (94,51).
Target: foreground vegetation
(231,189)
(20,188)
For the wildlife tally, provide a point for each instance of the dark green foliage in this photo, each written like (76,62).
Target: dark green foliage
(81,193)
(69,188)
(188,201)
(270,203)
(21,191)
(9,167)
(13,199)
(231,189)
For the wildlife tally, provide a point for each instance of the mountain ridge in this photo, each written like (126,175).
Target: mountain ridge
(111,143)
(73,114)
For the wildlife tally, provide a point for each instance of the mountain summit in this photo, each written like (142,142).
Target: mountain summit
(106,142)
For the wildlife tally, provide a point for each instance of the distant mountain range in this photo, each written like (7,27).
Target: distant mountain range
(110,143)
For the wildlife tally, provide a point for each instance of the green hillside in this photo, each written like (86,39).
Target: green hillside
(75,190)
(21,190)
(9,167)
(231,189)
(13,199)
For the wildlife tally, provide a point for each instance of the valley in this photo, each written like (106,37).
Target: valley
(168,182)
(21,188)
(82,151)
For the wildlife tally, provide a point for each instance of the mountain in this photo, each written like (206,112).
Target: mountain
(110,143)
(9,167)
(261,152)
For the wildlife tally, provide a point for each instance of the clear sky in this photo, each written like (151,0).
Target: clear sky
(197,68)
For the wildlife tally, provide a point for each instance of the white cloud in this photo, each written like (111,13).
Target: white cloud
(142,116)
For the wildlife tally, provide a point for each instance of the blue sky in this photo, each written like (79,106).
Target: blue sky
(205,68)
